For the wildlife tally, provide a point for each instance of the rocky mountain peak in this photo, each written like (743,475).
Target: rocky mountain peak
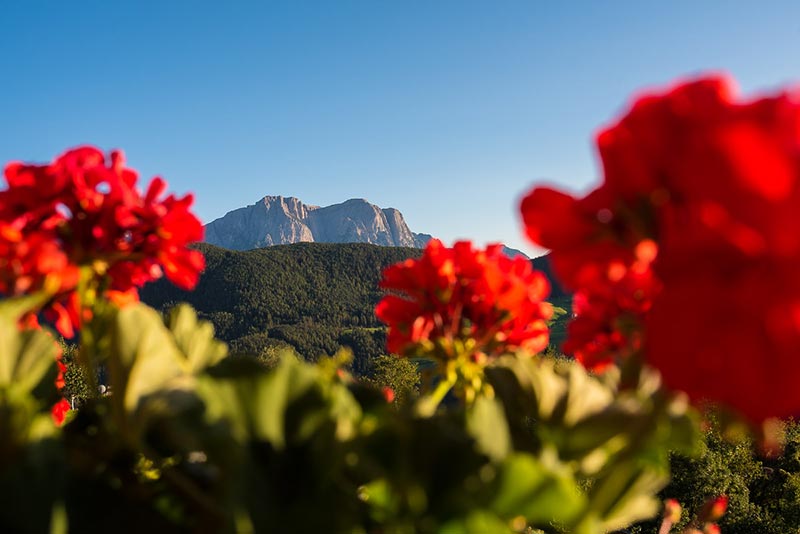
(277,220)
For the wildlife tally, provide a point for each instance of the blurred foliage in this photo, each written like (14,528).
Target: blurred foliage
(398,374)
(194,440)
(763,492)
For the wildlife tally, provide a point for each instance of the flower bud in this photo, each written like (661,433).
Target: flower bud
(713,509)
(672,510)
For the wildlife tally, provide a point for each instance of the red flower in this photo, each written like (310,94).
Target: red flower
(584,234)
(716,184)
(478,298)
(84,210)
(59,411)
(32,260)
(713,509)
(609,310)
(60,383)
(672,510)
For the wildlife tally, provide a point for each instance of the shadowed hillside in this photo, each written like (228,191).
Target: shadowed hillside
(313,296)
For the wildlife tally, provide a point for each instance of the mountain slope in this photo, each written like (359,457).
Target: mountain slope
(314,296)
(244,292)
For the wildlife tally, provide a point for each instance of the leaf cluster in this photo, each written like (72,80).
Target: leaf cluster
(193,440)
(763,492)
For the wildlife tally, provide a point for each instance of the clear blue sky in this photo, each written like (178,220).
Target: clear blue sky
(448,111)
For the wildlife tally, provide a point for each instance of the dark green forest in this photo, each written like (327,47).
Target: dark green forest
(314,297)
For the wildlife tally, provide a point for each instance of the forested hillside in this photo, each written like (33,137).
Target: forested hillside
(315,297)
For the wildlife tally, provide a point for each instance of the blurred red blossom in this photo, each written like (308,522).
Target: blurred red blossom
(62,368)
(713,509)
(715,184)
(59,411)
(461,296)
(609,309)
(672,510)
(83,210)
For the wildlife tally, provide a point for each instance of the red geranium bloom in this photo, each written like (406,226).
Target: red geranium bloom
(59,411)
(716,184)
(713,509)
(478,298)
(62,368)
(84,209)
(609,310)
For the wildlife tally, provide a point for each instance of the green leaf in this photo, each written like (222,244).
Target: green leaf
(617,439)
(627,494)
(59,520)
(144,355)
(289,402)
(529,385)
(539,493)
(195,338)
(27,359)
(477,522)
(683,427)
(269,401)
(223,402)
(486,422)
(584,394)
(607,430)
(383,503)
(13,308)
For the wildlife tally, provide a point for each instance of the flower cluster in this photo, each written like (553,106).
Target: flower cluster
(710,187)
(84,212)
(463,299)
(59,411)
(610,308)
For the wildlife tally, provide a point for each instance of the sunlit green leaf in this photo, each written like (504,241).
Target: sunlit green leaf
(195,338)
(486,422)
(627,494)
(144,355)
(541,494)
(478,522)
(11,309)
(26,358)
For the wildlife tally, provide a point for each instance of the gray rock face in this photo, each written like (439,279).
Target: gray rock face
(420,240)
(284,220)
(272,221)
(279,220)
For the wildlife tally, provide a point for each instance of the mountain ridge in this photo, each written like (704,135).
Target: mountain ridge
(279,220)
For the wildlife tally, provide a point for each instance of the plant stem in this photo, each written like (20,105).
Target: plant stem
(427,405)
